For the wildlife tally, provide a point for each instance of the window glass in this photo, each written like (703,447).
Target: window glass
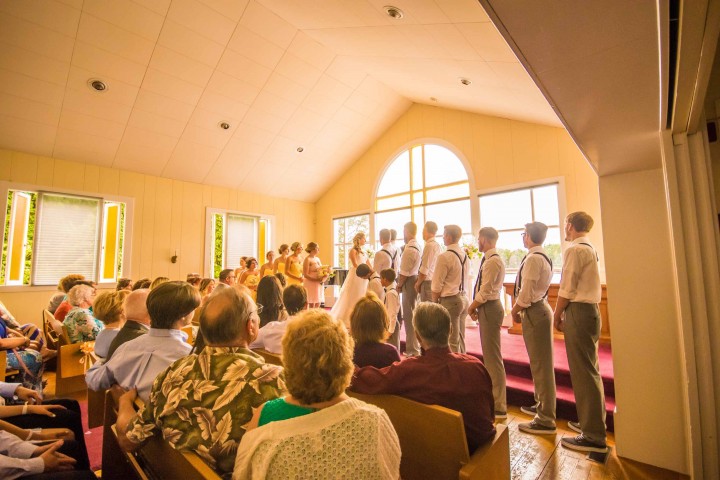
(450,213)
(393,202)
(344,230)
(447,193)
(506,210)
(396,178)
(442,166)
(545,204)
(391,220)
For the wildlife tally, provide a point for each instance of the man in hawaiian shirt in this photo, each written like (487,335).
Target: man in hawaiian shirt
(202,402)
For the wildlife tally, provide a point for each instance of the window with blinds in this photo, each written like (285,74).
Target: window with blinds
(49,235)
(233,235)
(240,239)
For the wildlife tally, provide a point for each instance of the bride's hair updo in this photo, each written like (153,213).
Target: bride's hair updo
(356,240)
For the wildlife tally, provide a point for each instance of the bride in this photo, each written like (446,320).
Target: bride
(354,287)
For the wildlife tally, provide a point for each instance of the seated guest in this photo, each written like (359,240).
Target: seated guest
(216,389)
(226,278)
(53,420)
(438,377)
(66,306)
(207,285)
(281,278)
(12,328)
(318,431)
(22,459)
(136,363)
(194,279)
(124,284)
(108,308)
(137,320)
(269,295)
(142,283)
(81,325)
(374,281)
(270,335)
(370,327)
(158,281)
(64,286)
(21,357)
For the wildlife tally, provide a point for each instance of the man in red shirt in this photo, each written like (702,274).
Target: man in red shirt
(439,377)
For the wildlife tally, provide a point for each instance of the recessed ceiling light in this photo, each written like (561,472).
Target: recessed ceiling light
(224,125)
(300,149)
(433,99)
(97,85)
(393,12)
(465,81)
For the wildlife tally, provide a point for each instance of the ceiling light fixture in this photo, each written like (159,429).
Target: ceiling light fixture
(97,85)
(224,125)
(300,149)
(465,81)
(393,12)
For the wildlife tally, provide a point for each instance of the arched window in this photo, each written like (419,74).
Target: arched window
(425,182)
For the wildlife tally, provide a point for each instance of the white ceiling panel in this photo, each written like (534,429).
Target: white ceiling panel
(329,76)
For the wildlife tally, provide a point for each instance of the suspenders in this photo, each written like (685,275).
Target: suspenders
(478,282)
(518,280)
(597,259)
(462,269)
(392,258)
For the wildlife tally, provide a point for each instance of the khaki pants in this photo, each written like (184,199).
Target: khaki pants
(582,330)
(409,300)
(490,318)
(425,291)
(537,322)
(457,307)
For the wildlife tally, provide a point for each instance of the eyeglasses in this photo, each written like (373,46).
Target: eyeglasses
(259,308)
(523,234)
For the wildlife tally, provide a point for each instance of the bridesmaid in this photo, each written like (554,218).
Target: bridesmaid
(293,265)
(251,277)
(241,269)
(267,267)
(279,265)
(312,275)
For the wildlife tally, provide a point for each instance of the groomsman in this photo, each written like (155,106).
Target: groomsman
(578,316)
(488,310)
(386,257)
(448,285)
(409,265)
(532,309)
(430,253)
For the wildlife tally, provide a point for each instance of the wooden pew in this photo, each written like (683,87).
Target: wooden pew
(70,370)
(156,459)
(52,329)
(433,444)
(4,371)
(269,357)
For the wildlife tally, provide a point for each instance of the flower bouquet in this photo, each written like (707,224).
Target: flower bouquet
(370,253)
(326,271)
(472,251)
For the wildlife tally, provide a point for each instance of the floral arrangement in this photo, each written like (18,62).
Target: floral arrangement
(88,351)
(472,251)
(252,281)
(326,271)
(370,253)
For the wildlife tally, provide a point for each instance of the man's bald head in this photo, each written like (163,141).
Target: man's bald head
(224,317)
(136,306)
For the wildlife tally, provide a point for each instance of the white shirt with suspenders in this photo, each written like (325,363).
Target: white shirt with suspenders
(386,257)
(449,276)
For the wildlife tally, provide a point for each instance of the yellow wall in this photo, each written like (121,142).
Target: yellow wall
(500,153)
(168,215)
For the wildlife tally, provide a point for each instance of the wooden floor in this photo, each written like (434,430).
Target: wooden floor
(542,457)
(538,456)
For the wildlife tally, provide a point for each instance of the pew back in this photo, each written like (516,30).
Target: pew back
(269,357)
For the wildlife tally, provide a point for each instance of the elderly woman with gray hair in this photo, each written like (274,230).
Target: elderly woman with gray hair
(81,325)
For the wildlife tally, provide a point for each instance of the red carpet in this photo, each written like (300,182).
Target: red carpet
(93,439)
(519,378)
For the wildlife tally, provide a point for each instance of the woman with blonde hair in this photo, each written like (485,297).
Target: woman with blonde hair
(293,265)
(207,285)
(370,327)
(317,431)
(158,281)
(354,287)
(279,264)
(312,275)
(109,308)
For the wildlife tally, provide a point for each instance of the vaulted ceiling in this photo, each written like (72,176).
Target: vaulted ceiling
(327,77)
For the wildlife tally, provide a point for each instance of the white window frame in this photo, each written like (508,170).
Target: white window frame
(129,202)
(210,212)
(341,217)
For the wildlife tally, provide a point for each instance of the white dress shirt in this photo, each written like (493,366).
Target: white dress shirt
(392,304)
(270,336)
(536,277)
(384,260)
(493,276)
(136,363)
(15,458)
(375,286)
(449,272)
(430,254)
(580,280)
(410,260)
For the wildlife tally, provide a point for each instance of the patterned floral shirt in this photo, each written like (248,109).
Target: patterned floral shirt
(81,325)
(203,402)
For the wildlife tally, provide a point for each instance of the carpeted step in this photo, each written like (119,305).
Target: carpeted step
(520,393)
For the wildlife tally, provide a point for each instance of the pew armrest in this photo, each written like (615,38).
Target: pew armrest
(492,460)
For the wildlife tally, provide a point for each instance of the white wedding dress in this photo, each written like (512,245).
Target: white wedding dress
(353,289)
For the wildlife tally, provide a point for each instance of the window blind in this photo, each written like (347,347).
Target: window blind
(240,239)
(66,237)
